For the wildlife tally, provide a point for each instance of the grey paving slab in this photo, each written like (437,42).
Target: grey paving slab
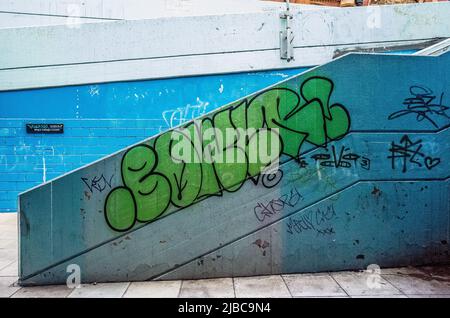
(8,244)
(103,290)
(440,272)
(210,288)
(420,284)
(53,291)
(7,286)
(4,263)
(401,271)
(10,270)
(9,227)
(364,284)
(9,231)
(313,285)
(346,296)
(8,217)
(8,255)
(156,289)
(261,287)
(428,296)
(381,296)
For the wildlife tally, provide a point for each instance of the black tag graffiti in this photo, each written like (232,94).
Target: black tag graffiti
(408,153)
(314,220)
(291,199)
(97,183)
(424,105)
(337,158)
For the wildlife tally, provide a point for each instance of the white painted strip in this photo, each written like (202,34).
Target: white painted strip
(124,40)
(437,49)
(91,73)
(15,20)
(133,9)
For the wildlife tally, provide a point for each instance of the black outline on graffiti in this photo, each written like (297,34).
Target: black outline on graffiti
(135,211)
(259,178)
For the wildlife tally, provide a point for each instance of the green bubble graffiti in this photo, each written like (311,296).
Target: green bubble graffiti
(152,181)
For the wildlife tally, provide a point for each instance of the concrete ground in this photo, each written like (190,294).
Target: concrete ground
(393,282)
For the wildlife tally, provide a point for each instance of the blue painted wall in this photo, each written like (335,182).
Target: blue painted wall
(101,119)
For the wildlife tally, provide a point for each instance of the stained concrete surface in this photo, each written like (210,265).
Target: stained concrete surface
(413,282)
